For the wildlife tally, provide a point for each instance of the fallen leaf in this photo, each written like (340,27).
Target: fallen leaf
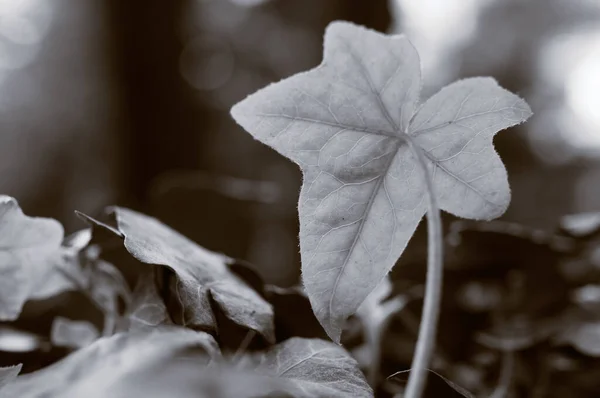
(201,274)
(72,334)
(347,124)
(29,250)
(8,374)
(108,361)
(313,368)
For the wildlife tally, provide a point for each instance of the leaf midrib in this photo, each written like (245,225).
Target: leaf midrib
(397,143)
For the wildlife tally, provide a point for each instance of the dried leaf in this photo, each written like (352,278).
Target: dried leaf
(29,250)
(200,274)
(347,124)
(92,370)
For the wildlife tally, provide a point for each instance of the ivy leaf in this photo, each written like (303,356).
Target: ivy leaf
(313,368)
(8,374)
(108,361)
(147,308)
(347,124)
(72,334)
(29,250)
(201,275)
(67,273)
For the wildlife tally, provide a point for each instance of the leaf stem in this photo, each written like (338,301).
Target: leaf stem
(433,285)
(506,375)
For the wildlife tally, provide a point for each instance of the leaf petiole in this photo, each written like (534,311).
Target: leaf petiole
(433,285)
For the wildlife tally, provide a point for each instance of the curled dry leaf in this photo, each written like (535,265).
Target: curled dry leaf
(349,124)
(29,250)
(91,371)
(201,275)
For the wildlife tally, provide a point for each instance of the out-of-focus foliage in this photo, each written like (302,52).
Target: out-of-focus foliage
(30,251)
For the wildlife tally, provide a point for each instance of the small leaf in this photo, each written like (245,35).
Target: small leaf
(92,370)
(581,225)
(8,374)
(314,368)
(347,123)
(200,274)
(106,285)
(78,240)
(147,308)
(72,334)
(67,273)
(29,249)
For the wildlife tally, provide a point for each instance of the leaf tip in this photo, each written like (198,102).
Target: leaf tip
(332,328)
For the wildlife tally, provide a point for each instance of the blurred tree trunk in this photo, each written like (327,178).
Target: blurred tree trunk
(158,116)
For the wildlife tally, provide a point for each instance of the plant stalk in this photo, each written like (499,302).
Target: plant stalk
(433,286)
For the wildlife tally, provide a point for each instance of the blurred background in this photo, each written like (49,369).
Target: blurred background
(127,102)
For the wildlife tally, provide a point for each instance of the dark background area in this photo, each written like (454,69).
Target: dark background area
(127,102)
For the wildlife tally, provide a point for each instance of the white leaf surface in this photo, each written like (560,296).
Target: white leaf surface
(346,123)
(8,374)
(109,361)
(314,368)
(29,251)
